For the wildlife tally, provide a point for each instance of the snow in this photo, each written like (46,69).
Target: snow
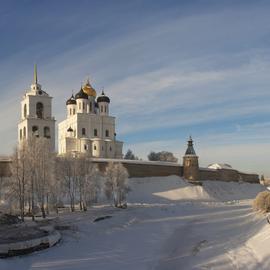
(217,166)
(169,224)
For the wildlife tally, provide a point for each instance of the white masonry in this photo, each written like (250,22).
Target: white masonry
(88,127)
(36,114)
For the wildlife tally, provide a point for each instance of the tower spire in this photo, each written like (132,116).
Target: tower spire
(35,74)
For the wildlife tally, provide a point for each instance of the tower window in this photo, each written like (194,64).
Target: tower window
(85,147)
(101,108)
(95,148)
(80,106)
(24,132)
(105,108)
(107,133)
(20,134)
(95,132)
(73,110)
(25,111)
(110,148)
(47,132)
(39,110)
(83,131)
(70,111)
(90,106)
(83,106)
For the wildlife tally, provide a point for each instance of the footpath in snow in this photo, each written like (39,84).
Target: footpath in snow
(169,224)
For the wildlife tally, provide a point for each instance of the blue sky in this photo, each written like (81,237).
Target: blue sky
(171,69)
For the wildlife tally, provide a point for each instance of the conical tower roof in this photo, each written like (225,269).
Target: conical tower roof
(190,150)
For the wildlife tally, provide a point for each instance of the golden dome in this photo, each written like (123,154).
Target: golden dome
(89,90)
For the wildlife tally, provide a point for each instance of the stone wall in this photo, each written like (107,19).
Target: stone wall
(154,168)
(227,175)
(144,168)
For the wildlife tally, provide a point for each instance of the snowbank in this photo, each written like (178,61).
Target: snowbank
(174,188)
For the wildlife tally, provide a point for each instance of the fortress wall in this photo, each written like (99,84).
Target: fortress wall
(227,175)
(146,169)
(149,168)
(5,168)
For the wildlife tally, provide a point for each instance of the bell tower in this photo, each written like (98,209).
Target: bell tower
(36,114)
(191,164)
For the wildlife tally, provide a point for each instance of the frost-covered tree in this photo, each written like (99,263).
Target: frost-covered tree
(116,183)
(162,156)
(66,173)
(45,163)
(19,178)
(130,156)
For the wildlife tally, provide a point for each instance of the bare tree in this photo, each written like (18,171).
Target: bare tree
(18,181)
(44,173)
(116,183)
(66,173)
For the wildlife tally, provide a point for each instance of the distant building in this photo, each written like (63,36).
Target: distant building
(218,166)
(89,128)
(36,114)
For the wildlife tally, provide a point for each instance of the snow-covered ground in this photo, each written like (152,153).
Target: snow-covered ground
(169,224)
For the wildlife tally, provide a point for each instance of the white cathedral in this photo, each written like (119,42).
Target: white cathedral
(88,127)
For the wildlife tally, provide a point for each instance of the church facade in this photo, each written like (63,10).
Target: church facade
(36,114)
(89,128)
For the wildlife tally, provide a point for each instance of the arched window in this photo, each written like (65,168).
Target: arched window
(80,106)
(70,111)
(35,131)
(20,134)
(110,148)
(101,108)
(24,132)
(47,132)
(90,106)
(95,148)
(39,110)
(73,110)
(95,132)
(83,131)
(83,106)
(107,133)
(24,111)
(105,107)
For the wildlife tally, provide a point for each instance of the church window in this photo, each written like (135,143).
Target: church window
(95,132)
(73,110)
(95,148)
(107,133)
(35,131)
(90,106)
(80,106)
(105,108)
(70,111)
(25,111)
(83,106)
(47,132)
(24,132)
(85,147)
(101,108)
(20,134)
(110,148)
(39,110)
(83,131)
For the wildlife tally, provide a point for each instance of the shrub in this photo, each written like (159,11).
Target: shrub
(262,202)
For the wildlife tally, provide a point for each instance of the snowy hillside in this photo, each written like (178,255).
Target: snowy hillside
(169,224)
(174,188)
